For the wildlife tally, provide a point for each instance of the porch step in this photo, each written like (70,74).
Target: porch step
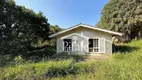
(95,57)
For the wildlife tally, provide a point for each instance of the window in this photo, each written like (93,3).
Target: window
(67,45)
(93,45)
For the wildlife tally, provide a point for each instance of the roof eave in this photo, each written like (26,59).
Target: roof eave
(51,36)
(116,34)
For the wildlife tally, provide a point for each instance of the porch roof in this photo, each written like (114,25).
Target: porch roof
(75,34)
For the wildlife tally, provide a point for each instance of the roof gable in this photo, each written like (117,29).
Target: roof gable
(76,35)
(86,26)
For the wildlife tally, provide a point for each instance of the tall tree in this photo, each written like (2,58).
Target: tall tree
(20,28)
(123,16)
(54,29)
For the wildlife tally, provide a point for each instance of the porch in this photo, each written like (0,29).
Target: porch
(82,56)
(79,44)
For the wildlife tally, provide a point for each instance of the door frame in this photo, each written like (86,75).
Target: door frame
(93,47)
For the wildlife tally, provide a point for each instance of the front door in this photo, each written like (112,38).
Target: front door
(67,45)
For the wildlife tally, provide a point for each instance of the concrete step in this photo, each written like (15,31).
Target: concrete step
(96,57)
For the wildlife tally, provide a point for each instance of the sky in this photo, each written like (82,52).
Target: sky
(67,13)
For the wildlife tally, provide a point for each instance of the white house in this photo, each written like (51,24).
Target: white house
(85,38)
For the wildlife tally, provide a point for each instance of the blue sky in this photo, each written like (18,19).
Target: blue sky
(67,13)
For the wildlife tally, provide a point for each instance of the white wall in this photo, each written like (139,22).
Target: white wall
(80,44)
(107,45)
(91,34)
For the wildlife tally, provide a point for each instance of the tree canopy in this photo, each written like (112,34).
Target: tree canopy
(123,16)
(54,29)
(20,28)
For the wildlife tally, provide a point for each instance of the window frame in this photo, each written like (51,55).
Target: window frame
(94,47)
(68,47)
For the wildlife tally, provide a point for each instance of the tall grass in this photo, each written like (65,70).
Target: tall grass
(126,64)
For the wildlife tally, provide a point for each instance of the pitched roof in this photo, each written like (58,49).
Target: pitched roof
(86,26)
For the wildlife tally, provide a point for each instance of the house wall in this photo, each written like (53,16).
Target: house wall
(79,43)
(106,37)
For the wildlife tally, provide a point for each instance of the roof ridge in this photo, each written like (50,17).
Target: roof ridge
(80,24)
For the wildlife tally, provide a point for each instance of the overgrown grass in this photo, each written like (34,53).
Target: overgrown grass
(126,64)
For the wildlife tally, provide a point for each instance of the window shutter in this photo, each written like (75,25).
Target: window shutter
(108,48)
(102,45)
(59,45)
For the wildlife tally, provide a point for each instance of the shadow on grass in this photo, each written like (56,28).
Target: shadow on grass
(71,69)
(124,48)
(6,60)
(64,56)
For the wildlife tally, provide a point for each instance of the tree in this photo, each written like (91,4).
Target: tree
(123,16)
(54,29)
(20,29)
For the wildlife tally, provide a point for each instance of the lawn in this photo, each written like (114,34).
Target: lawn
(125,64)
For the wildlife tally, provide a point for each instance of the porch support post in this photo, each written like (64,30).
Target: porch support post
(87,44)
(63,45)
(104,45)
